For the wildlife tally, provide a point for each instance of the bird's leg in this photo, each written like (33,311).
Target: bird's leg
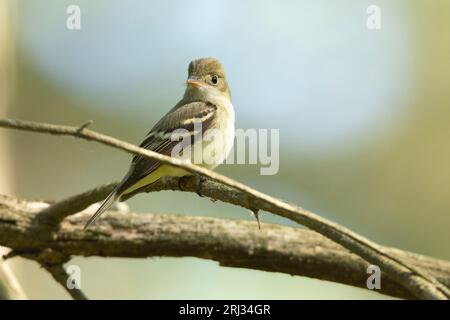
(180,183)
(198,188)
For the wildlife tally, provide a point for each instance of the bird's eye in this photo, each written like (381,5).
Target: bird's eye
(214,79)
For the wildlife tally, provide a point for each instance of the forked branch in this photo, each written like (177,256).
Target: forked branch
(419,283)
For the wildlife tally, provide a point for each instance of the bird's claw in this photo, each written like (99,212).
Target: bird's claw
(198,188)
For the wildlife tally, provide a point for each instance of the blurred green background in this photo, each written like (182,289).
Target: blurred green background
(364,119)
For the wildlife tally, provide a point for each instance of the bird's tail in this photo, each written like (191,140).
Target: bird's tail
(112,197)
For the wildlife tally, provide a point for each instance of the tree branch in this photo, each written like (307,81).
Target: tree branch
(9,287)
(419,283)
(60,275)
(232,243)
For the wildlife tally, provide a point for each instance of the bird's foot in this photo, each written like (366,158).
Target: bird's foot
(181,182)
(198,188)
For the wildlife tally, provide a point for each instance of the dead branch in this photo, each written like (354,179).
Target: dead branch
(416,281)
(231,243)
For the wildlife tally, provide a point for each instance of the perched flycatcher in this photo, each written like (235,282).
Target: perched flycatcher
(204,118)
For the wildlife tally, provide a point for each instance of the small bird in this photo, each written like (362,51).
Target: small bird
(206,104)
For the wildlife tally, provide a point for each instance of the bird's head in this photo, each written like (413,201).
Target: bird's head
(206,78)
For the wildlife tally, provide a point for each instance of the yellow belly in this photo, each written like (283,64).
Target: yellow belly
(162,171)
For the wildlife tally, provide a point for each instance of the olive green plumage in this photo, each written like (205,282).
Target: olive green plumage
(206,103)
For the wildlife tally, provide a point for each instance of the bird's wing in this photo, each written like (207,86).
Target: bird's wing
(188,117)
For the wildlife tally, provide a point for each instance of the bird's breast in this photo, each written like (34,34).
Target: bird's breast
(217,141)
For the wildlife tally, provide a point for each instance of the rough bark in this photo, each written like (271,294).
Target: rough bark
(419,283)
(231,243)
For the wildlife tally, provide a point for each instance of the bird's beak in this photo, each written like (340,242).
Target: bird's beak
(195,83)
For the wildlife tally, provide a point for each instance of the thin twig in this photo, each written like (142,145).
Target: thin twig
(52,260)
(60,275)
(10,288)
(85,125)
(419,283)
(55,213)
